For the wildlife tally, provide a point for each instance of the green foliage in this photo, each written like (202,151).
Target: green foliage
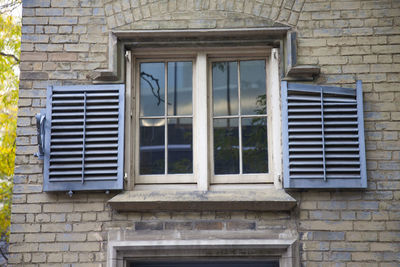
(10,35)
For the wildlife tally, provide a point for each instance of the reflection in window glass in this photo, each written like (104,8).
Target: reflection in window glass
(180,88)
(254,145)
(240,123)
(166,148)
(252,87)
(152,89)
(180,151)
(225,88)
(152,146)
(226,146)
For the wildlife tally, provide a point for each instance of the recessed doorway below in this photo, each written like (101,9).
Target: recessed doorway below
(206,263)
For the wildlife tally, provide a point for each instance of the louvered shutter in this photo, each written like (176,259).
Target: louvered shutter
(84,138)
(323,136)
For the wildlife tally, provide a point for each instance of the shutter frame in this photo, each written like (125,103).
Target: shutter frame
(333,176)
(97,183)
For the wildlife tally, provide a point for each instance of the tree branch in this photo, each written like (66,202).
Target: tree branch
(11,6)
(9,55)
(3,254)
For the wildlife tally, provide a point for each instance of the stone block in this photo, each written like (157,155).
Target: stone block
(39,238)
(76,47)
(63,20)
(25,228)
(49,12)
(323,225)
(54,257)
(71,237)
(58,207)
(34,75)
(324,215)
(56,227)
(148,226)
(86,227)
(23,247)
(53,247)
(65,3)
(240,225)
(85,246)
(64,39)
(26,208)
(35,20)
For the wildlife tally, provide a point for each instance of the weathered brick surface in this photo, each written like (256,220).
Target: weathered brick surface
(64,40)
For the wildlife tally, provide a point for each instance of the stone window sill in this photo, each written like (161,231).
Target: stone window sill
(147,200)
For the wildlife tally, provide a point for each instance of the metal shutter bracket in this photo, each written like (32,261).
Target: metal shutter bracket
(40,120)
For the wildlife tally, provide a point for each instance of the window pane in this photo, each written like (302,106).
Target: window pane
(179,88)
(255,145)
(226,146)
(152,89)
(180,151)
(225,88)
(152,156)
(252,87)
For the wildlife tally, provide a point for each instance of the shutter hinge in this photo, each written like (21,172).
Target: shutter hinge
(125,177)
(40,121)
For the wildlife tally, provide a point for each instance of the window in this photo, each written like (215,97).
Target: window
(202,117)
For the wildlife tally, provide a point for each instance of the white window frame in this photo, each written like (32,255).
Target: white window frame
(203,177)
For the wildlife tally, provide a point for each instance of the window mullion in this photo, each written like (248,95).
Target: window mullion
(200,122)
(166,118)
(240,123)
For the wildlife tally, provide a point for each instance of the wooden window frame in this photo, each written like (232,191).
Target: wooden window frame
(203,177)
(160,178)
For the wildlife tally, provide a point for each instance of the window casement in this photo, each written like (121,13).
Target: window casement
(203,117)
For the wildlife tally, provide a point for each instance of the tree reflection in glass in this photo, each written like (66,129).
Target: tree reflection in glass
(166,96)
(226,146)
(239,117)
(180,152)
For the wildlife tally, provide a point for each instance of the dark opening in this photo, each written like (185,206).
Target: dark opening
(206,263)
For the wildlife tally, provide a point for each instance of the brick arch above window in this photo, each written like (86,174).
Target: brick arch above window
(123,12)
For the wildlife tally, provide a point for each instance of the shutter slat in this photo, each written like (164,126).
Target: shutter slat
(84,148)
(308,136)
(302,143)
(323,136)
(304,116)
(61,160)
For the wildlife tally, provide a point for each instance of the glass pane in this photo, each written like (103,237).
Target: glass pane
(180,88)
(252,87)
(254,145)
(152,157)
(152,89)
(226,146)
(180,150)
(225,88)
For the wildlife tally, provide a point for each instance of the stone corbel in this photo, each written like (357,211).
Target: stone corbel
(115,71)
(292,70)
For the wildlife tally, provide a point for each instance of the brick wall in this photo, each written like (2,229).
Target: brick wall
(64,40)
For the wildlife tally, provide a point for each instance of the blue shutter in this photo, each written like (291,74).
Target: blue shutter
(323,136)
(83,142)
